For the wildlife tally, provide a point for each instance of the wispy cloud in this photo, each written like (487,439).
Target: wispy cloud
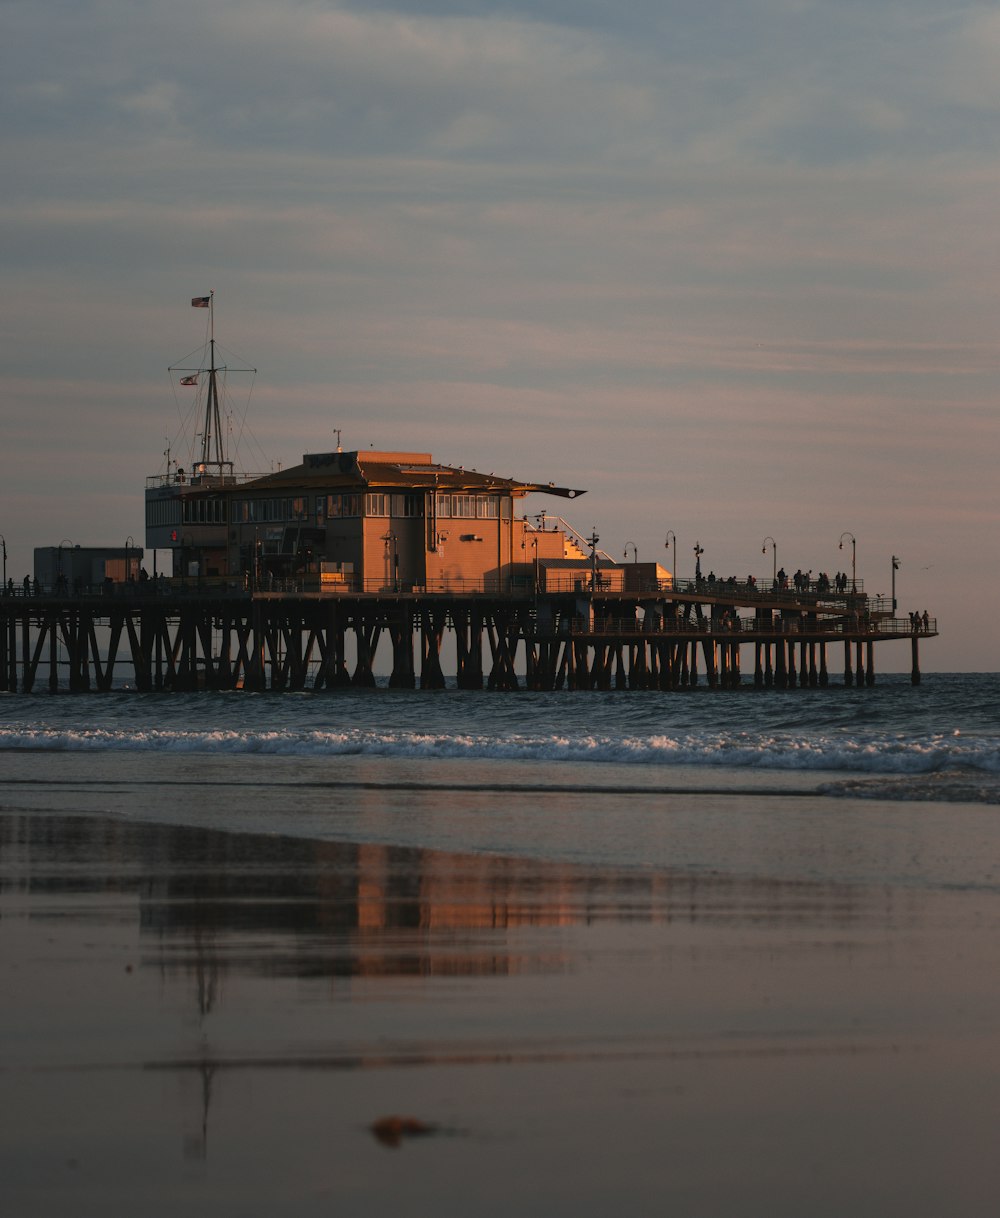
(732,266)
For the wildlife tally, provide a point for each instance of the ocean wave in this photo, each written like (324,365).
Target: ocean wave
(874,754)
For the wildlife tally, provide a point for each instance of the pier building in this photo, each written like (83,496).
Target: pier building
(364,521)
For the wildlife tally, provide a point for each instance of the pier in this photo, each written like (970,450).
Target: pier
(178,636)
(352,563)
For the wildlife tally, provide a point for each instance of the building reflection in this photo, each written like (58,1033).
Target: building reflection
(217,902)
(209,907)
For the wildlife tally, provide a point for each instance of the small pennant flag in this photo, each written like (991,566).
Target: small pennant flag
(201,302)
(189,380)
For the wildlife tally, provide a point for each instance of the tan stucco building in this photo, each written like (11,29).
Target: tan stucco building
(367,520)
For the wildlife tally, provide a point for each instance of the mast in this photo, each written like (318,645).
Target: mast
(213,418)
(213,455)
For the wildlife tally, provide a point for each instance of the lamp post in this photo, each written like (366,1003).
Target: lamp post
(672,536)
(129,546)
(698,551)
(774,555)
(534,546)
(393,555)
(3,542)
(635,551)
(592,541)
(895,568)
(59,570)
(854,558)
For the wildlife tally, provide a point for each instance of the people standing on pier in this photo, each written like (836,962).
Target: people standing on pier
(925,619)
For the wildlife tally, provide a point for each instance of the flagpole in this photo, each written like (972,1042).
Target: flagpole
(212,418)
(212,436)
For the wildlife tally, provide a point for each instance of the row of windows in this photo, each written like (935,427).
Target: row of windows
(162,511)
(333,507)
(261,511)
(471,507)
(204,511)
(378,503)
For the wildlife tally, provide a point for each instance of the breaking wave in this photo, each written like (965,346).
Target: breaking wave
(874,754)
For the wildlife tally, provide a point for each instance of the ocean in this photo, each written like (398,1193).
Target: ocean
(594,944)
(561,776)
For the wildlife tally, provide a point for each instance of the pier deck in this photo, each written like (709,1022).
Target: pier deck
(169,636)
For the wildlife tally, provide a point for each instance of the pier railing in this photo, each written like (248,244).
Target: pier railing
(750,628)
(611,582)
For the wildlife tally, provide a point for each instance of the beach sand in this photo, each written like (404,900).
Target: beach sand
(203,1021)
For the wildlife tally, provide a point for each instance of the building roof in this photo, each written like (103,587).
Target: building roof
(395,470)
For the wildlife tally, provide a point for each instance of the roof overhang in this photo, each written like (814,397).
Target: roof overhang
(550,488)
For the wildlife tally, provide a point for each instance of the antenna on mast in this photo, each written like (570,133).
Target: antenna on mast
(336,432)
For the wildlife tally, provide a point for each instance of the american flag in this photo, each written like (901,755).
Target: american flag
(201,302)
(189,380)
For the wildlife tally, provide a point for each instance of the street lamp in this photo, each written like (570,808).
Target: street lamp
(635,551)
(129,545)
(774,555)
(59,571)
(895,568)
(3,541)
(592,541)
(672,536)
(698,551)
(393,555)
(534,545)
(854,558)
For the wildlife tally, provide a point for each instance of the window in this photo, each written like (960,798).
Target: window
(407,505)
(463,505)
(487,507)
(376,504)
(444,505)
(163,511)
(320,505)
(299,509)
(202,511)
(351,505)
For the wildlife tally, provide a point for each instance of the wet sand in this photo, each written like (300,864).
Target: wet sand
(201,1021)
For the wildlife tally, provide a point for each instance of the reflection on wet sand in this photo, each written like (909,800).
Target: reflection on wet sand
(222,902)
(210,1013)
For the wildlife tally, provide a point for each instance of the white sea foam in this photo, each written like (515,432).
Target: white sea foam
(862,755)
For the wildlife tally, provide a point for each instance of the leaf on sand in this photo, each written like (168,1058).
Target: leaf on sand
(390,1130)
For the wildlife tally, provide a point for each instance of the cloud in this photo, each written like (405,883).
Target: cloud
(729,265)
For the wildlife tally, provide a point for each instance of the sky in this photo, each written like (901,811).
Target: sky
(730,265)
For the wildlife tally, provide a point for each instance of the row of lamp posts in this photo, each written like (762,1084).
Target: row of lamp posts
(671,540)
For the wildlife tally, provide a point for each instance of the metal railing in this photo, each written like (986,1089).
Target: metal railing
(829,607)
(751,627)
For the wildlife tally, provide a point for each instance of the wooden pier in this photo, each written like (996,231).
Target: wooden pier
(172,638)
